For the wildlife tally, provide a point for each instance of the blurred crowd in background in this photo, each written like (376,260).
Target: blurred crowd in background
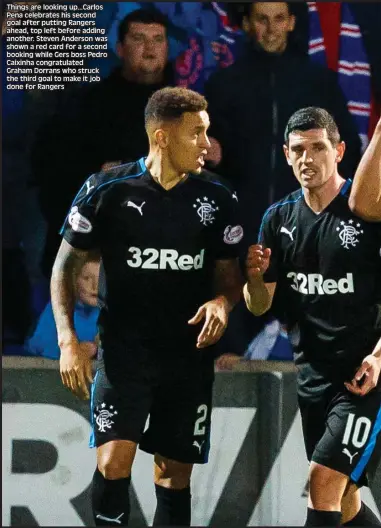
(256,63)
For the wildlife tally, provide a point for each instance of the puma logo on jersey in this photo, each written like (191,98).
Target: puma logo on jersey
(138,207)
(154,259)
(287,232)
(198,445)
(314,283)
(110,519)
(89,187)
(351,457)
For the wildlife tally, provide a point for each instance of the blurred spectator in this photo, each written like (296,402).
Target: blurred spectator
(368,17)
(335,27)
(340,46)
(44,340)
(271,343)
(104,124)
(250,102)
(213,42)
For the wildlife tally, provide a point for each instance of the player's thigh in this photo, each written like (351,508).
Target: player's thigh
(350,502)
(179,428)
(350,443)
(118,411)
(313,417)
(327,487)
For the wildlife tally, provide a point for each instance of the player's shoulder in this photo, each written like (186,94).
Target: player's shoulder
(283,207)
(106,178)
(208,180)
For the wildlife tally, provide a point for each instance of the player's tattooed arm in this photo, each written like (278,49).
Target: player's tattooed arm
(66,266)
(228,287)
(365,197)
(75,365)
(258,295)
(228,282)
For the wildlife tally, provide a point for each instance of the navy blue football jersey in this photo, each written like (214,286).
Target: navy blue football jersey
(158,248)
(327,267)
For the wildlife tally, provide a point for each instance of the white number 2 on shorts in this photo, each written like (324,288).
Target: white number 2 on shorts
(360,432)
(199,428)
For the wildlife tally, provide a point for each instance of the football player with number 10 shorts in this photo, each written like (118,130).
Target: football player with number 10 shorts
(321,265)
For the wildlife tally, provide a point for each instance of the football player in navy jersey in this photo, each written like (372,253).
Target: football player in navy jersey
(321,264)
(168,236)
(365,197)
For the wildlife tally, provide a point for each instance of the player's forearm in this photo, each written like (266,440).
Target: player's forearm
(228,283)
(63,304)
(229,298)
(62,290)
(365,197)
(377,350)
(257,297)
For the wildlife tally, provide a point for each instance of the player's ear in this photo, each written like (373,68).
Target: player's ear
(291,23)
(340,149)
(246,24)
(286,152)
(161,137)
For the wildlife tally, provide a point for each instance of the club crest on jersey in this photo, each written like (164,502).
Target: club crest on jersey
(348,233)
(205,210)
(233,234)
(78,222)
(103,416)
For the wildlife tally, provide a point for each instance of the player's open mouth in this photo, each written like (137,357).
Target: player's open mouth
(201,161)
(309,172)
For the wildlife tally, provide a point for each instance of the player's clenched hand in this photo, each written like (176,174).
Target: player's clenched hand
(257,261)
(216,314)
(75,369)
(366,377)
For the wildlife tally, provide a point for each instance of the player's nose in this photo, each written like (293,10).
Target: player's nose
(306,157)
(205,144)
(150,47)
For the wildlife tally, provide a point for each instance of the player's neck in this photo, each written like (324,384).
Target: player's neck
(319,198)
(162,172)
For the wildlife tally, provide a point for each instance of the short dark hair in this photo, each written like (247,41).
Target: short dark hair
(142,15)
(171,103)
(313,117)
(248,8)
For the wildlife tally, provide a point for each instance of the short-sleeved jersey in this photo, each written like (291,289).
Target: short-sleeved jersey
(158,249)
(327,267)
